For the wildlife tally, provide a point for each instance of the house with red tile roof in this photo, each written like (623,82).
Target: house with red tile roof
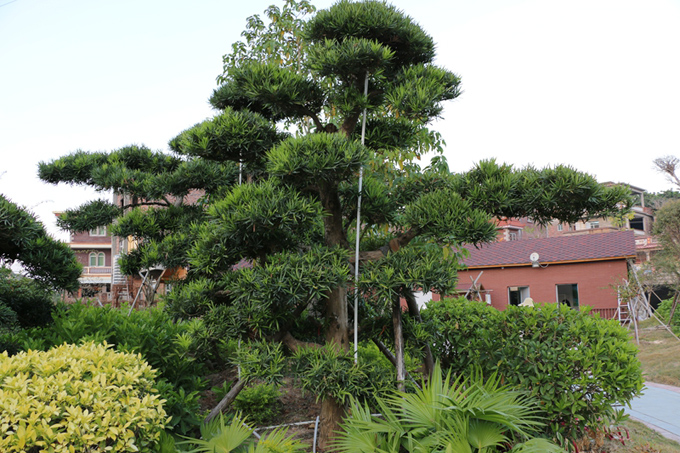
(575,270)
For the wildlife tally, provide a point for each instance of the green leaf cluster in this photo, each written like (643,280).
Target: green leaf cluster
(422,265)
(577,365)
(466,415)
(374,21)
(316,159)
(259,300)
(24,239)
(233,135)
(237,436)
(78,398)
(251,221)
(259,403)
(327,372)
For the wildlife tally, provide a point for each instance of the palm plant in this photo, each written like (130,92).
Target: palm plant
(218,436)
(469,415)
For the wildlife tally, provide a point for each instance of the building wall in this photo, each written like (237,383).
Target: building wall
(84,256)
(83,237)
(595,280)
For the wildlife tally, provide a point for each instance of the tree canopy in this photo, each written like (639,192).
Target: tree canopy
(24,239)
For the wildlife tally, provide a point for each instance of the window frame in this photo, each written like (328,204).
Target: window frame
(100,231)
(523,293)
(573,297)
(97,258)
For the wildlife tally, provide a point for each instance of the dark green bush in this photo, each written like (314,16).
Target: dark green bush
(579,366)
(327,372)
(260,403)
(166,345)
(31,301)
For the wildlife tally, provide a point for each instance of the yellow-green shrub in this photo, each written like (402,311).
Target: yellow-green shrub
(77,399)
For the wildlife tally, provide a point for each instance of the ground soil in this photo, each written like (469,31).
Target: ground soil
(296,406)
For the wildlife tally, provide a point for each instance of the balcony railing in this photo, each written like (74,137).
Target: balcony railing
(96,270)
(605,313)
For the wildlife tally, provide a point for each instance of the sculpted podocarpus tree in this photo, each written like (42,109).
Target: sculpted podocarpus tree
(293,220)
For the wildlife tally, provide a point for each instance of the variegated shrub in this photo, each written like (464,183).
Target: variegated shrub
(78,398)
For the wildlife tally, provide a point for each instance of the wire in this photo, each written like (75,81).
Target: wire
(5,4)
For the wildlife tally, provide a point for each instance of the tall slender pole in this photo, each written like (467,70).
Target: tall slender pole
(356,246)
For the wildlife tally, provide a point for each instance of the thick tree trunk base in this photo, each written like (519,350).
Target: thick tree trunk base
(332,415)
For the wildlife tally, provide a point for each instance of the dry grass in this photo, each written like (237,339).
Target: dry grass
(659,353)
(634,437)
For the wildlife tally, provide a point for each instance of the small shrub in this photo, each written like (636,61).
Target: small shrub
(577,365)
(327,372)
(77,399)
(165,344)
(259,403)
(466,415)
(664,313)
(31,301)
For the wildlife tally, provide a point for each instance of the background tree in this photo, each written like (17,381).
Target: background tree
(668,166)
(667,230)
(44,259)
(26,301)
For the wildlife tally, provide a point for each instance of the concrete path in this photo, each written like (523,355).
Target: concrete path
(658,408)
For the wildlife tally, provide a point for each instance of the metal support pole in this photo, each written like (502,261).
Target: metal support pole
(358,228)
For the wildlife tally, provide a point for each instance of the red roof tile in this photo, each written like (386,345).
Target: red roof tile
(587,247)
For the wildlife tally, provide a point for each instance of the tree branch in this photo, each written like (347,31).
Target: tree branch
(227,400)
(394,245)
(294,344)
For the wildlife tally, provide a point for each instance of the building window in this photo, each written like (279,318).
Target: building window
(97,259)
(512,236)
(637,223)
(560,227)
(595,224)
(567,294)
(517,294)
(99,231)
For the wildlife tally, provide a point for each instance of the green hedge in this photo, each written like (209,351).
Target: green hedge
(579,366)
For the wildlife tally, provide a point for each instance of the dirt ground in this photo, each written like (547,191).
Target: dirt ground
(296,407)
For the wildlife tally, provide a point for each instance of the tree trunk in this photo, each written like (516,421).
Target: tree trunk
(337,334)
(398,344)
(414,311)
(334,233)
(332,414)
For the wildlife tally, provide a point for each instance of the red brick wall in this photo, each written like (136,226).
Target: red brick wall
(595,281)
(84,236)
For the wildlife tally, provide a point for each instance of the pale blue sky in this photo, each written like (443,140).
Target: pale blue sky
(589,83)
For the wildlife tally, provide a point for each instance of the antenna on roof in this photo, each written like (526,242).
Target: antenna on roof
(534,260)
